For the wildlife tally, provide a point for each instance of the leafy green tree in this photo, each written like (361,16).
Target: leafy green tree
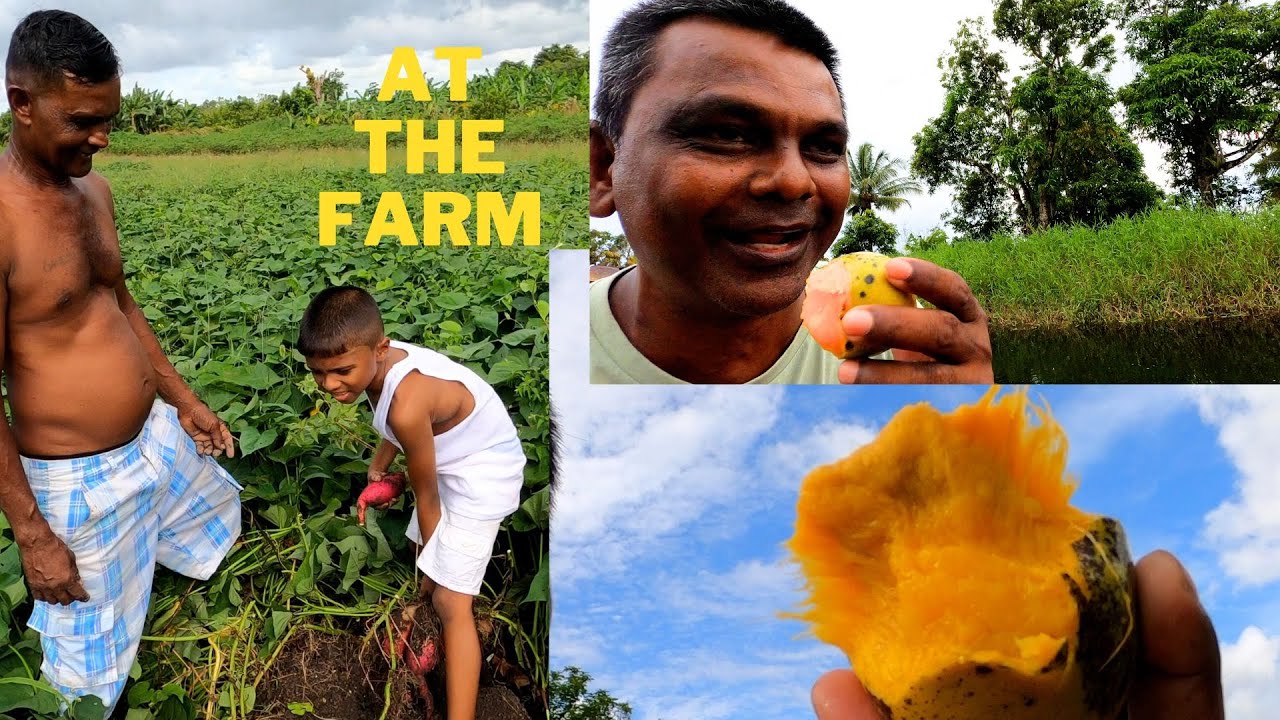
(1208,85)
(570,699)
(917,244)
(866,232)
(1266,173)
(878,181)
(609,249)
(1043,149)
(563,58)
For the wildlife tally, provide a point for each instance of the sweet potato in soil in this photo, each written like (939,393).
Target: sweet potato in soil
(344,677)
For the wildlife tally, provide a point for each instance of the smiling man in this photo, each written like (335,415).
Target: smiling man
(100,479)
(720,142)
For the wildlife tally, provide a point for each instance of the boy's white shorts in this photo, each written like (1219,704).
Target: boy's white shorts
(458,552)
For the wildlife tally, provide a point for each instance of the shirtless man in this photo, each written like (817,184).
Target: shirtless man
(97,478)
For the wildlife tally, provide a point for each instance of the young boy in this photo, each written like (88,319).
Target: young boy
(465,462)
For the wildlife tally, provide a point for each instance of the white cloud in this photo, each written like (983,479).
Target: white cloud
(1098,418)
(1245,529)
(201,51)
(737,680)
(645,463)
(753,592)
(790,460)
(572,644)
(1251,675)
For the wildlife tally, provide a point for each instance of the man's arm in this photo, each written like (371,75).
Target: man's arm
(212,436)
(411,419)
(47,563)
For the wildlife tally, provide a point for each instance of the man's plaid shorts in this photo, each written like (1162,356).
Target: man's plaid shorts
(120,512)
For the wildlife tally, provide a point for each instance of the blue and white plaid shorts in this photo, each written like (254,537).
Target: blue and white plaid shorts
(155,499)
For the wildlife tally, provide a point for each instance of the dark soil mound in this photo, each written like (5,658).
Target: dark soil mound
(346,677)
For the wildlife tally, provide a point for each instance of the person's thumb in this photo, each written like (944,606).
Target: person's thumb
(1180,677)
(839,695)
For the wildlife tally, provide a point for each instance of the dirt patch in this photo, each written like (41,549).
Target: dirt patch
(316,670)
(346,677)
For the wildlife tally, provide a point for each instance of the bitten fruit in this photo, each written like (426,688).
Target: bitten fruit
(839,286)
(945,559)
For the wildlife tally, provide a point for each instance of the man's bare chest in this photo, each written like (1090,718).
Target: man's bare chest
(62,255)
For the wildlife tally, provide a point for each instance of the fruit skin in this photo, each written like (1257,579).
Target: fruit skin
(920,544)
(841,285)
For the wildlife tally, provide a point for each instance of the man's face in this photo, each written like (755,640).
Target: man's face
(348,375)
(730,177)
(69,121)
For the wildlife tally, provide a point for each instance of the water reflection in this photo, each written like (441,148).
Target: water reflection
(1234,350)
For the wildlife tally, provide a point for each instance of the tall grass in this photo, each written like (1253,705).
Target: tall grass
(1171,264)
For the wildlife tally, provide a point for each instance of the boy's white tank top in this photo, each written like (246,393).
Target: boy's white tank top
(480,461)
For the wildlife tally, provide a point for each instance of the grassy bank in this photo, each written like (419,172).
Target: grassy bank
(279,134)
(1168,265)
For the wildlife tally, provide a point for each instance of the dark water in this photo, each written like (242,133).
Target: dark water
(1234,350)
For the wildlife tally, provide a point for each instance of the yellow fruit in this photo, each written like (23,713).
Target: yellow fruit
(944,558)
(839,286)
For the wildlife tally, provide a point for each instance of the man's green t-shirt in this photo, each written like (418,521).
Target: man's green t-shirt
(614,360)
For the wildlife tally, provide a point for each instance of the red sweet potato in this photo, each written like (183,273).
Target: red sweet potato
(380,493)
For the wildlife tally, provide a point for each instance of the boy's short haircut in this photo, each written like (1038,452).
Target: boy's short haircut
(338,320)
(48,43)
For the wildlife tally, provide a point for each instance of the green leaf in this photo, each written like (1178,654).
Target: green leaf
(540,588)
(17,693)
(452,300)
(280,622)
(533,512)
(89,707)
(355,552)
(252,439)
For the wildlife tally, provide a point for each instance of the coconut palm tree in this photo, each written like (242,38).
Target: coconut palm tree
(878,181)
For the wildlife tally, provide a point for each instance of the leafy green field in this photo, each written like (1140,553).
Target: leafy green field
(1167,265)
(223,255)
(291,134)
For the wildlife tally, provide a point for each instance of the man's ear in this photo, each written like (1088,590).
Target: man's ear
(19,102)
(601,195)
(380,350)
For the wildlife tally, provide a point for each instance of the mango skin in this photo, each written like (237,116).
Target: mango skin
(841,285)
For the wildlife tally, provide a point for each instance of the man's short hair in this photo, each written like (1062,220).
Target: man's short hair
(49,43)
(627,60)
(339,319)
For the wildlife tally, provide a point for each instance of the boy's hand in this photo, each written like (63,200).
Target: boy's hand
(380,493)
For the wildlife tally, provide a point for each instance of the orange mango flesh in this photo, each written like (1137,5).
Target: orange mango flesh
(939,554)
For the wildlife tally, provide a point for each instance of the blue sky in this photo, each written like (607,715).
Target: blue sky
(667,570)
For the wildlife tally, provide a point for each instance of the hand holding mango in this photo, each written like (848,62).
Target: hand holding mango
(945,559)
(1179,673)
(854,318)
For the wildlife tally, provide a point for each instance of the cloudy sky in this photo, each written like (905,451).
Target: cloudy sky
(667,568)
(229,48)
(888,64)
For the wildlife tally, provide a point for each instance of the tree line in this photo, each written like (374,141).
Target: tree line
(556,80)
